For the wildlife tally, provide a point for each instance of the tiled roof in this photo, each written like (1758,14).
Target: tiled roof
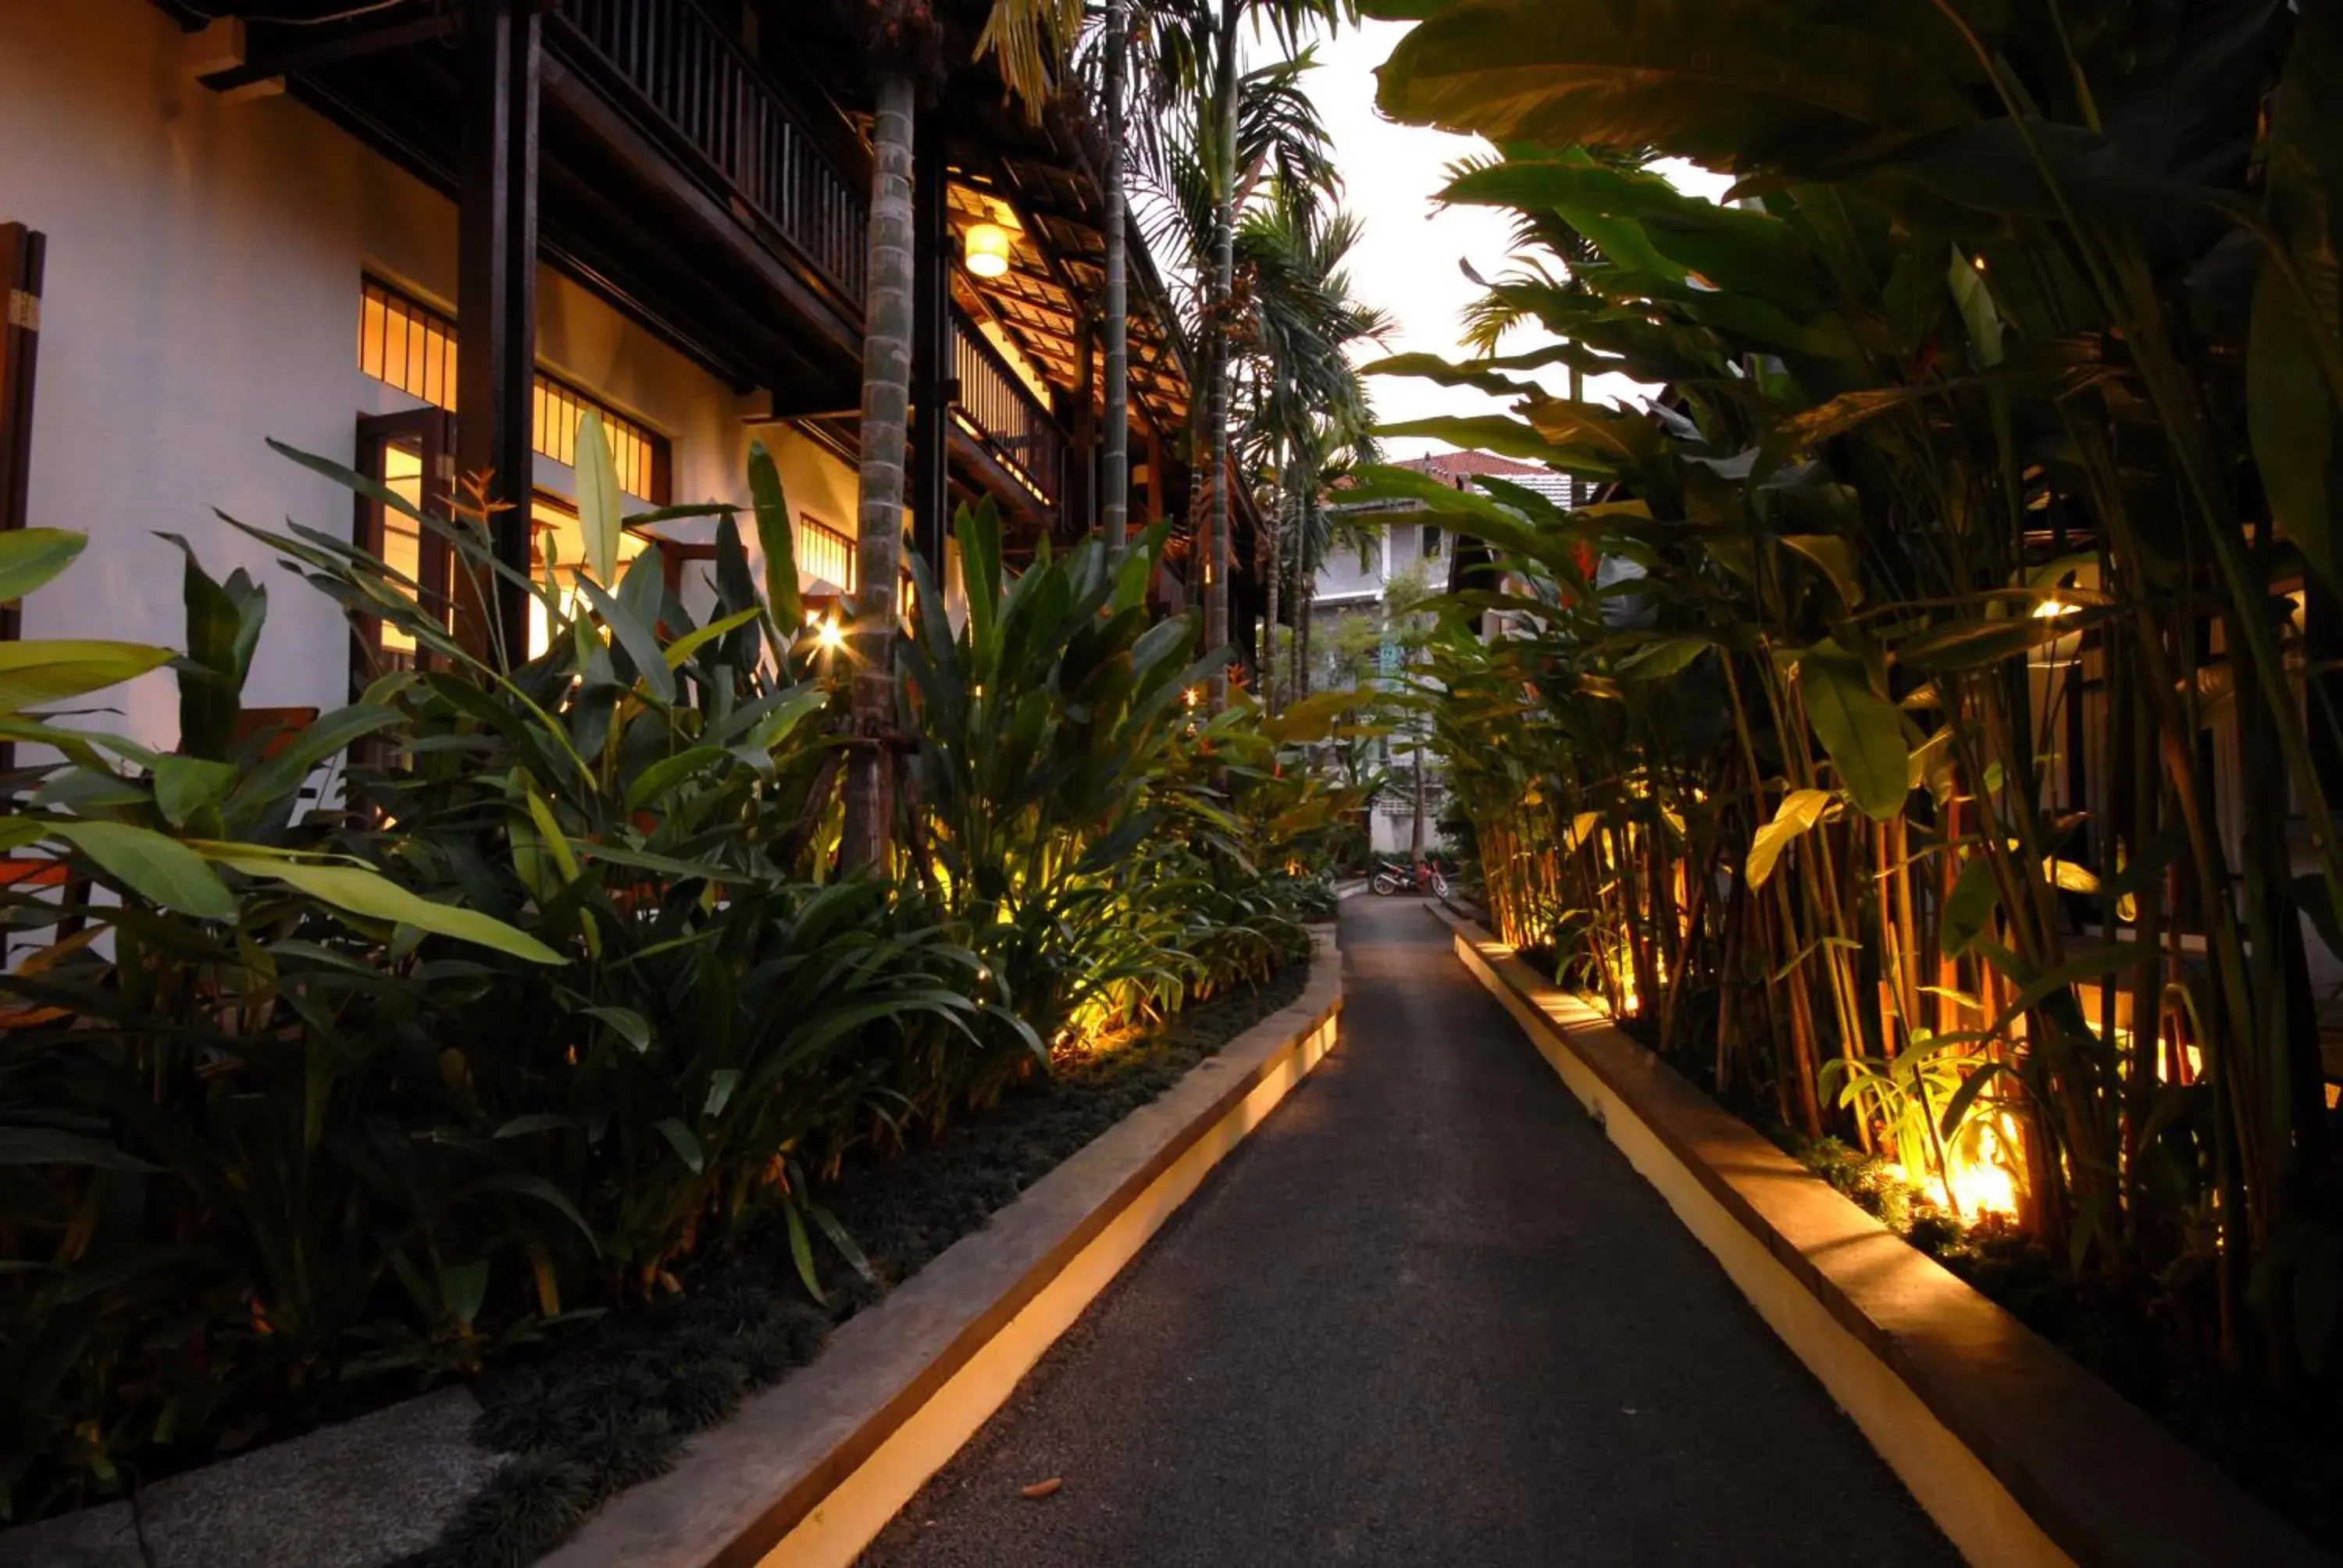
(1457,464)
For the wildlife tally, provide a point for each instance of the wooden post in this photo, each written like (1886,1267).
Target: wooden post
(496,299)
(933,388)
(23,252)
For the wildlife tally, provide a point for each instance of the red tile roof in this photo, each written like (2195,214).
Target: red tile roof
(1455,463)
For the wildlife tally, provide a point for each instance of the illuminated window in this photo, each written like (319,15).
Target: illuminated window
(402,544)
(407,344)
(559,408)
(558,545)
(824,554)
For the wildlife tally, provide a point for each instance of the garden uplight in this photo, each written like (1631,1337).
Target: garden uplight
(831,637)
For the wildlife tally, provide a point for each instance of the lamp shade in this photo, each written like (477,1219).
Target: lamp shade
(986,246)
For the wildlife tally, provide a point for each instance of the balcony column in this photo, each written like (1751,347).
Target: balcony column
(932,386)
(495,297)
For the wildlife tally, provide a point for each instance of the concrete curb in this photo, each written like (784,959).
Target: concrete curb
(2018,1455)
(809,1471)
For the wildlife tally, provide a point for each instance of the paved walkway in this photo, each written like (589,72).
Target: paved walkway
(1426,1315)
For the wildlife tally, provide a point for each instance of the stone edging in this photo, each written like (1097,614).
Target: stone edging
(808,1471)
(2016,1453)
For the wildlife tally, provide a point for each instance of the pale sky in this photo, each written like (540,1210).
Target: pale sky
(1407,261)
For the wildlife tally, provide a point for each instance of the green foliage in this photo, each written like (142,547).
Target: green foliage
(555,992)
(1947,673)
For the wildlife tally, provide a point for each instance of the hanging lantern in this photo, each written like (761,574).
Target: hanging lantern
(986,246)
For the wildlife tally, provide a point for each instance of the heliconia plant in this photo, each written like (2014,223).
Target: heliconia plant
(1945,757)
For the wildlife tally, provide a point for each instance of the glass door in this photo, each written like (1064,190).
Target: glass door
(412,455)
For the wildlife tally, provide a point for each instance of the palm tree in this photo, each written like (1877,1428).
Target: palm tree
(1308,412)
(1250,131)
(906,40)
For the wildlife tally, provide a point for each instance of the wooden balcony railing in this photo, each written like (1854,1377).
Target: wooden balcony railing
(731,126)
(715,100)
(1005,417)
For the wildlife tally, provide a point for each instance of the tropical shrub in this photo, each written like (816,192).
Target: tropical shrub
(1942,755)
(550,985)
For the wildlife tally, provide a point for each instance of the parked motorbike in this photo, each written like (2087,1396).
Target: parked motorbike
(1389,877)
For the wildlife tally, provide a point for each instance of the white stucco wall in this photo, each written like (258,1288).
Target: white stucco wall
(202,293)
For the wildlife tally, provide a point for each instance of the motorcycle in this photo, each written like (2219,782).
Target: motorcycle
(1389,877)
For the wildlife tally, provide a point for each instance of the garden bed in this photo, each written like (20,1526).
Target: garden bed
(810,1471)
(609,1404)
(2017,1451)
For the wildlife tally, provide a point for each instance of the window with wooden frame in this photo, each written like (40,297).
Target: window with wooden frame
(412,455)
(406,344)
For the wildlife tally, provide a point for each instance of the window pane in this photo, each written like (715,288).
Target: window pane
(402,475)
(373,322)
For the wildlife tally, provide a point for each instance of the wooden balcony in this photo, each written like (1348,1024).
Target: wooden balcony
(1008,423)
(714,109)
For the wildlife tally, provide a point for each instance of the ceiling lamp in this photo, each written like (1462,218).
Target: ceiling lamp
(986,246)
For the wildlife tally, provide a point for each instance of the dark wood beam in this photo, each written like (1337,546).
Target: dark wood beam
(495,295)
(307,57)
(23,254)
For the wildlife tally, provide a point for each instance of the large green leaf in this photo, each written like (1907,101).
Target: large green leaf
(637,636)
(777,540)
(223,629)
(188,786)
(1642,223)
(1726,83)
(31,556)
(356,891)
(1969,909)
(1799,812)
(1494,433)
(49,670)
(154,866)
(600,508)
(280,775)
(1862,732)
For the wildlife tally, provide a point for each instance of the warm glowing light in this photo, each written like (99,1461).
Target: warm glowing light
(986,245)
(1193,697)
(1983,1169)
(1977,262)
(2052,608)
(829,637)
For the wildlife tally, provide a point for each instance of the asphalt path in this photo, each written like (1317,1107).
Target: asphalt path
(1426,1314)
